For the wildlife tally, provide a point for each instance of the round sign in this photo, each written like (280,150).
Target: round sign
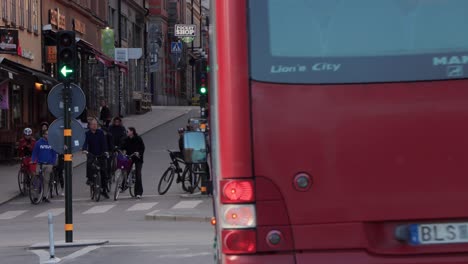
(56,139)
(55,100)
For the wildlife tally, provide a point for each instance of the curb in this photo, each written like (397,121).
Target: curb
(177,218)
(10,199)
(77,243)
(196,196)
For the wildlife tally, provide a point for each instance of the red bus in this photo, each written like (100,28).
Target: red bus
(340,131)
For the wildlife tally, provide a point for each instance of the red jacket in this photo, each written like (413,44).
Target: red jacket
(26,147)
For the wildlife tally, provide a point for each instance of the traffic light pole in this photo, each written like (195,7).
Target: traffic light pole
(67,133)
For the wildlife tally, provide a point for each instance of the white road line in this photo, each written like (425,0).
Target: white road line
(154,212)
(80,252)
(189,255)
(55,212)
(11,214)
(142,206)
(99,209)
(187,204)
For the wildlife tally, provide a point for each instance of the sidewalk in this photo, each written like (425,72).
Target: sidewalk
(144,123)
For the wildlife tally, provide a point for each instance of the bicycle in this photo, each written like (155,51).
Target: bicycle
(95,187)
(125,175)
(168,176)
(36,186)
(24,175)
(57,182)
(192,178)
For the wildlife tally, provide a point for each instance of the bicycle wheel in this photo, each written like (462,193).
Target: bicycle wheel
(97,186)
(58,184)
(22,182)
(36,189)
(118,184)
(187,179)
(131,178)
(166,181)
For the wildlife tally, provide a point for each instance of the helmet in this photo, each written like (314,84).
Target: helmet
(27,131)
(181,130)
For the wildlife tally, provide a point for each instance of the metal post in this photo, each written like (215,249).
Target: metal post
(51,236)
(119,20)
(68,163)
(192,67)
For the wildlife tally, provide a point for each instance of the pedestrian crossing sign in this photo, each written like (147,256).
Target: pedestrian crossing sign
(176,47)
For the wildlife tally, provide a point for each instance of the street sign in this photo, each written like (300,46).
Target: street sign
(185,30)
(55,100)
(56,138)
(176,47)
(121,54)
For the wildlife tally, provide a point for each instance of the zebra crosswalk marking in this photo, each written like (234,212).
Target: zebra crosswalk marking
(54,211)
(99,209)
(11,214)
(142,206)
(187,204)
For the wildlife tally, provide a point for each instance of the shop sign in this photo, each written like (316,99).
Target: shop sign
(8,41)
(61,24)
(53,17)
(79,26)
(51,54)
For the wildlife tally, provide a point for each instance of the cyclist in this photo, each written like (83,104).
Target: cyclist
(43,153)
(25,149)
(134,144)
(96,144)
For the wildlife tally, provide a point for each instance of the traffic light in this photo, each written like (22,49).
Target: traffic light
(66,55)
(202,90)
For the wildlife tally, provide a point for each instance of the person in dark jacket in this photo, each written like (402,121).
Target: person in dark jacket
(118,131)
(96,144)
(105,114)
(44,154)
(43,127)
(134,144)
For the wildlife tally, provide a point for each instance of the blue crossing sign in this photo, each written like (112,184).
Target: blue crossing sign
(176,47)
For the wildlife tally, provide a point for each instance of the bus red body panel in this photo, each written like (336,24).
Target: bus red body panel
(232,103)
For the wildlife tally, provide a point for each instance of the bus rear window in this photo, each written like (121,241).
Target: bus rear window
(359,41)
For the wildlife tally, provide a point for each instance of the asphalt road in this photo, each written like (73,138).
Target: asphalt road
(132,239)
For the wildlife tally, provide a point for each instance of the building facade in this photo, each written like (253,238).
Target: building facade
(23,83)
(128,19)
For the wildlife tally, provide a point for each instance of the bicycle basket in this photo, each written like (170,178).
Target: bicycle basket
(124,162)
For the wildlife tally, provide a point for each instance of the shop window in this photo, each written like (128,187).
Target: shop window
(16,105)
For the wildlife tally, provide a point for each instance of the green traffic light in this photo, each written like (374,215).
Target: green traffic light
(65,71)
(203,90)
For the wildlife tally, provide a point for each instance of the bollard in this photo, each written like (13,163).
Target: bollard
(51,237)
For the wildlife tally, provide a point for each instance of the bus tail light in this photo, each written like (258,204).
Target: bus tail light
(239,241)
(239,216)
(237,191)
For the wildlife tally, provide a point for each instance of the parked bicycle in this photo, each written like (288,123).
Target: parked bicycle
(183,176)
(125,174)
(95,187)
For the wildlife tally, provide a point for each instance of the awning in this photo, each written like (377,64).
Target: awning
(101,57)
(40,76)
(123,67)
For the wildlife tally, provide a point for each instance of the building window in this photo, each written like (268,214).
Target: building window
(5,9)
(29,15)
(21,13)
(111,17)
(13,12)
(35,16)
(123,27)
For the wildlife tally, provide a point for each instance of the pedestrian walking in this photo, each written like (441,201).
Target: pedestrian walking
(105,115)
(133,144)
